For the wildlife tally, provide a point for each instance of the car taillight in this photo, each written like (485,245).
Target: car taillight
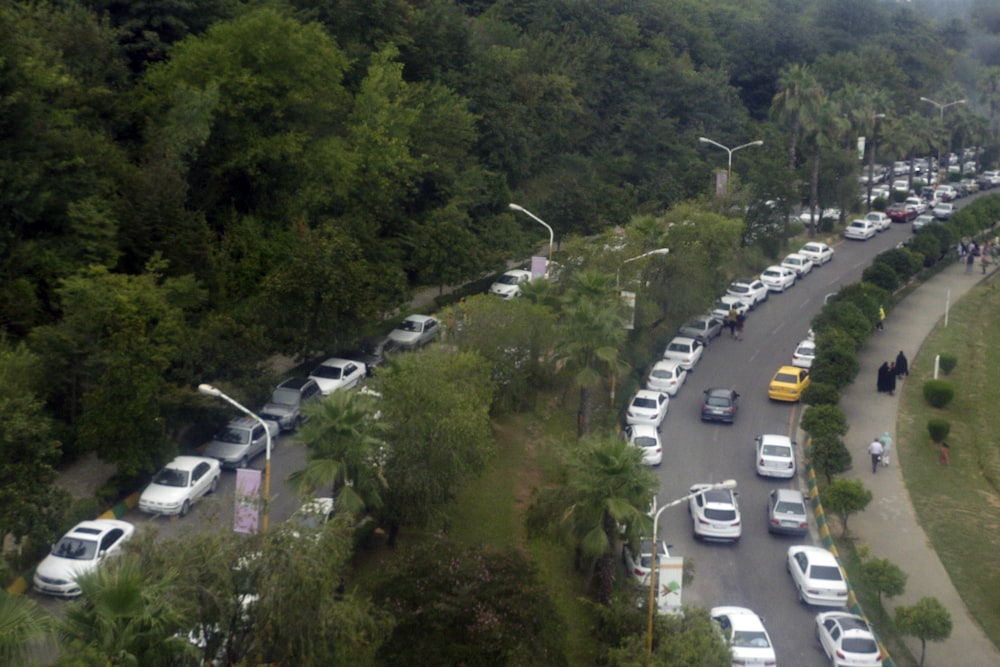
(639,572)
(790,465)
(761,463)
(730,410)
(840,654)
(700,520)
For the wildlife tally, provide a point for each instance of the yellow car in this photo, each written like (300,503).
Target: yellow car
(788,384)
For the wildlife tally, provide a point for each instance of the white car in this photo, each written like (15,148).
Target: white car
(943,210)
(775,456)
(819,253)
(881,221)
(647,439)
(647,407)
(509,284)
(715,514)
(415,331)
(335,374)
(685,351)
(778,278)
(180,484)
(817,576)
(901,185)
(922,221)
(749,290)
(860,229)
(799,263)
(744,632)
(847,640)
(881,192)
(804,353)
(80,551)
(825,214)
(915,203)
(311,515)
(725,303)
(667,376)
(640,564)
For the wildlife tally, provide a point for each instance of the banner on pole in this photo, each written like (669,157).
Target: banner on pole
(628,301)
(670,585)
(246,514)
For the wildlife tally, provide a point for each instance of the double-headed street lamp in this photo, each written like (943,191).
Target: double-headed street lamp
(515,207)
(658,251)
(209,390)
(730,151)
(654,571)
(941,107)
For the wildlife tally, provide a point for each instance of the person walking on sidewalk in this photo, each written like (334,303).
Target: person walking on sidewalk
(886,441)
(740,321)
(890,379)
(985,259)
(731,322)
(875,449)
(902,365)
(970,260)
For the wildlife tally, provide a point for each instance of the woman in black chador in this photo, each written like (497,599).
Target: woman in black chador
(902,365)
(883,377)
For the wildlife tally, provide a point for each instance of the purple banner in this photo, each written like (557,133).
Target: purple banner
(538,266)
(246,515)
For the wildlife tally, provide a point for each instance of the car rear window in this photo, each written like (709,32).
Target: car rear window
(718,401)
(825,572)
(786,378)
(859,645)
(776,450)
(716,514)
(644,403)
(788,508)
(679,347)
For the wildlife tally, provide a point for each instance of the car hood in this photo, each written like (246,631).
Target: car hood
(225,450)
(55,567)
(326,385)
(158,493)
(404,337)
(277,410)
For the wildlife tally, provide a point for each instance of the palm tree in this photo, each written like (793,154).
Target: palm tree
(863,106)
(22,622)
(822,126)
(989,88)
(344,451)
(592,332)
(798,89)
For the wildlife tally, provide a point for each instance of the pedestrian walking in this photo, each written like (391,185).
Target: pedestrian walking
(881,318)
(890,379)
(886,441)
(731,322)
(881,384)
(945,450)
(875,449)
(970,260)
(902,365)
(740,321)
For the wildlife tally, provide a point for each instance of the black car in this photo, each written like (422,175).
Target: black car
(287,401)
(720,405)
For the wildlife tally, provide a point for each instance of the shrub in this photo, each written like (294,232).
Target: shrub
(835,365)
(829,456)
(903,262)
(824,420)
(820,393)
(927,245)
(947,363)
(938,429)
(845,315)
(882,275)
(938,393)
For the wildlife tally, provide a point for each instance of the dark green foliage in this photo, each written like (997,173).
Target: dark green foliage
(845,497)
(902,261)
(927,245)
(829,456)
(836,363)
(689,639)
(938,393)
(455,605)
(821,393)
(927,620)
(938,429)
(882,275)
(884,577)
(824,420)
(847,316)
(947,363)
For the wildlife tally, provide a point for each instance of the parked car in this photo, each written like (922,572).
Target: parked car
(786,512)
(639,563)
(881,221)
(703,328)
(180,484)
(817,576)
(775,456)
(288,400)
(647,407)
(778,278)
(788,384)
(804,353)
(312,515)
(647,439)
(748,290)
(922,221)
(799,263)
(415,331)
(900,213)
(372,352)
(824,214)
(943,210)
(686,351)
(861,230)
(78,552)
(715,514)
(945,193)
(720,405)
(335,374)
(240,441)
(916,203)
(508,286)
(746,636)
(847,640)
(667,376)
(728,302)
(819,253)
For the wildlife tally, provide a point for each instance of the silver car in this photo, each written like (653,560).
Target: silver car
(786,512)
(702,328)
(241,440)
(415,331)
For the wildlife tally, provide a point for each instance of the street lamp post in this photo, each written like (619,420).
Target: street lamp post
(730,151)
(658,251)
(871,157)
(209,390)
(941,107)
(515,207)
(654,572)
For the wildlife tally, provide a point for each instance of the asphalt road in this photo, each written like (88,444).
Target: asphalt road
(752,573)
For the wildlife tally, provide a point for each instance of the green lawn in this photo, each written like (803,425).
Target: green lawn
(959,506)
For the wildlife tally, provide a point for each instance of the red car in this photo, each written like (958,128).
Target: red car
(900,213)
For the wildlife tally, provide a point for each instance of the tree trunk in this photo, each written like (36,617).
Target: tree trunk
(583,413)
(814,190)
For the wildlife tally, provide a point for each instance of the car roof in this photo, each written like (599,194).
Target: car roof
(337,361)
(295,383)
(242,422)
(789,495)
(683,339)
(776,267)
(98,526)
(816,555)
(188,462)
(818,244)
(648,393)
(719,391)
(640,429)
(672,364)
(774,439)
(517,272)
(789,369)
(796,255)
(419,318)
(740,618)
(806,341)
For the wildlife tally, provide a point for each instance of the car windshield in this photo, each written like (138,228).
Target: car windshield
(825,572)
(235,436)
(171,477)
(717,401)
(408,325)
(805,351)
(75,548)
(859,645)
(285,396)
(747,639)
(771,274)
(811,248)
(679,347)
(792,260)
(789,508)
(330,372)
(662,374)
(857,224)
(786,378)
(739,289)
(717,514)
(644,441)
(645,403)
(507,280)
(777,450)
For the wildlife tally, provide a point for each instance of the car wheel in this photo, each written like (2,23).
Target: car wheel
(244,462)
(185,508)
(214,485)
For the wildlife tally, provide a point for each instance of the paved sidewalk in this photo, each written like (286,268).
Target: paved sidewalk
(890,526)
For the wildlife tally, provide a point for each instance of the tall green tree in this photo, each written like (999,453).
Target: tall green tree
(798,91)
(22,622)
(845,497)
(927,620)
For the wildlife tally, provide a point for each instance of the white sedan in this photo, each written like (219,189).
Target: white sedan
(686,351)
(647,439)
(804,353)
(881,221)
(80,551)
(715,514)
(799,263)
(179,484)
(778,278)
(640,564)
(508,286)
(817,576)
(336,374)
(415,331)
(729,302)
(748,290)
(847,640)
(744,632)
(775,456)
(666,376)
(819,253)
(647,407)
(861,230)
